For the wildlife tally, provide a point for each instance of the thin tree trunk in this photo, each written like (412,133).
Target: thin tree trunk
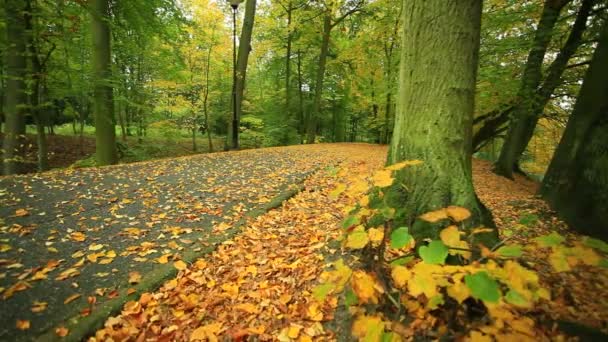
(288,63)
(576,183)
(105,134)
(542,96)
(241,66)
(206,99)
(301,116)
(316,104)
(530,81)
(434,116)
(14,114)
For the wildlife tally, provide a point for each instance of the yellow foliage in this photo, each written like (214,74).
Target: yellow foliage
(375,235)
(357,239)
(401,275)
(382,178)
(364,287)
(368,328)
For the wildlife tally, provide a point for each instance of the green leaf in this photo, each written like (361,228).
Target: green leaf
(528,219)
(350,298)
(549,240)
(510,251)
(400,237)
(350,221)
(435,301)
(434,253)
(603,263)
(516,299)
(596,243)
(483,287)
(388,336)
(402,261)
(321,291)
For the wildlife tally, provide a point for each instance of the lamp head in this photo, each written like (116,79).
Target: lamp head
(234,3)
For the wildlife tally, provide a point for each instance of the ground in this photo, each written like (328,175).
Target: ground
(191,248)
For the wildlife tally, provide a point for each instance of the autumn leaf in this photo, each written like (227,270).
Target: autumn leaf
(401,275)
(549,240)
(62,331)
(457,214)
(435,216)
(72,298)
(21,212)
(134,277)
(368,328)
(382,178)
(180,265)
(450,236)
(375,235)
(459,291)
(364,287)
(247,307)
(39,306)
(22,324)
(357,239)
(510,251)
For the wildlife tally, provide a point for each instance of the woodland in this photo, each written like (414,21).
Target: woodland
(293,170)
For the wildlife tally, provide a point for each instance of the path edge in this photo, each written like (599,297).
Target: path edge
(82,327)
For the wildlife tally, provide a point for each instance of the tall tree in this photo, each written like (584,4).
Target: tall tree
(332,16)
(435,106)
(576,183)
(105,134)
(530,81)
(241,71)
(15,94)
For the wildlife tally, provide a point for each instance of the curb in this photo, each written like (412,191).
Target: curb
(82,327)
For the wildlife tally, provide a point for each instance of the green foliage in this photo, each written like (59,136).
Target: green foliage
(435,253)
(483,287)
(400,237)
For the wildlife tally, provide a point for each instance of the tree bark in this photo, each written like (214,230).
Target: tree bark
(576,183)
(434,116)
(16,99)
(316,104)
(289,11)
(34,94)
(241,65)
(530,81)
(105,134)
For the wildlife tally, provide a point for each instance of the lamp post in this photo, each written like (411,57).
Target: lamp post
(235,121)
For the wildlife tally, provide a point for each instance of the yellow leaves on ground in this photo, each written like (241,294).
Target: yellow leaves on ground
(21,212)
(22,324)
(207,332)
(365,287)
(134,277)
(455,213)
(401,275)
(78,236)
(368,328)
(180,265)
(72,298)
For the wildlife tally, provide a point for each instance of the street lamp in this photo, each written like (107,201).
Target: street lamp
(235,121)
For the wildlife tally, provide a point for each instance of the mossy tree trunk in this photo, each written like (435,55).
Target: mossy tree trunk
(15,95)
(434,115)
(105,134)
(576,183)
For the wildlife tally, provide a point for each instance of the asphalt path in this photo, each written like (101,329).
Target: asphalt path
(69,238)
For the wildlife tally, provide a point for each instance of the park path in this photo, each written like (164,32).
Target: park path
(70,239)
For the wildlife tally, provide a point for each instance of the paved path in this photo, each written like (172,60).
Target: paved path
(84,232)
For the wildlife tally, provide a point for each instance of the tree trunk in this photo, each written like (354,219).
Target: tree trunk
(241,68)
(434,116)
(316,104)
(301,116)
(288,63)
(206,100)
(530,81)
(16,99)
(105,134)
(576,183)
(36,71)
